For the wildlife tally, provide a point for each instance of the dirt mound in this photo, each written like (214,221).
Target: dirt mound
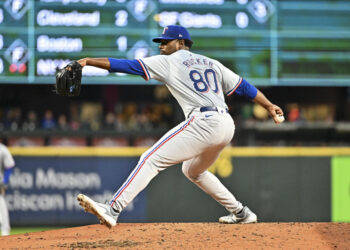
(188,236)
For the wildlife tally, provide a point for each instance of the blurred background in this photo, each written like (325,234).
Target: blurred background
(296,52)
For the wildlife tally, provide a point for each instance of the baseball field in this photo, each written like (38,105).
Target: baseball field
(187,236)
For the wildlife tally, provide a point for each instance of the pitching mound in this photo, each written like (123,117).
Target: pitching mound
(188,236)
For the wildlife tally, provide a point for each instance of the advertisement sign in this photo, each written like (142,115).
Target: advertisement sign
(43,190)
(341,189)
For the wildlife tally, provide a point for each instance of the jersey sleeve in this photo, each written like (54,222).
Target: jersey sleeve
(230,80)
(8,160)
(155,67)
(126,66)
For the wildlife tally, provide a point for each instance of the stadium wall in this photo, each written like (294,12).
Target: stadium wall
(279,184)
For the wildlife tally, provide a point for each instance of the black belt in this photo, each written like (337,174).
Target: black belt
(205,109)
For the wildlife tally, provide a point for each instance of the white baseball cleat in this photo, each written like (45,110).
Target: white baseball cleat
(246,216)
(104,212)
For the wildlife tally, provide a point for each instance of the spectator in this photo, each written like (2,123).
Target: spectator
(13,119)
(91,116)
(62,123)
(293,113)
(31,122)
(74,123)
(119,123)
(129,116)
(143,119)
(109,122)
(260,113)
(48,121)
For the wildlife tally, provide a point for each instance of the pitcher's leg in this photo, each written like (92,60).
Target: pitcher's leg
(196,170)
(139,178)
(178,145)
(5,219)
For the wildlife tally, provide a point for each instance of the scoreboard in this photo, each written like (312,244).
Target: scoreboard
(268,42)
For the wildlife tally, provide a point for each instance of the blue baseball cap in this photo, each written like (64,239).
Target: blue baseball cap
(172,32)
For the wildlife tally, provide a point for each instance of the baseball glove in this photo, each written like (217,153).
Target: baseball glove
(68,80)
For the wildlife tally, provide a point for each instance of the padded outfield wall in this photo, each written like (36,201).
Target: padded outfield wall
(279,184)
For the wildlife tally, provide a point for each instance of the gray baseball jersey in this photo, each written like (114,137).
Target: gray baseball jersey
(194,80)
(6,160)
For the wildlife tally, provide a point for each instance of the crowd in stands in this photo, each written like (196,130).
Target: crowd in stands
(89,116)
(138,117)
(142,122)
(127,115)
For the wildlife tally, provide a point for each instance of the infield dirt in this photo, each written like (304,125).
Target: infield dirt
(188,236)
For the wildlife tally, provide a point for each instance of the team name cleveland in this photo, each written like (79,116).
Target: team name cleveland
(197,61)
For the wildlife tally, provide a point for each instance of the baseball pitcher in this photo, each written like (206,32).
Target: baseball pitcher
(199,84)
(6,166)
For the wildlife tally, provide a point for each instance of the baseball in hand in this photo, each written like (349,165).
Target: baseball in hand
(280,118)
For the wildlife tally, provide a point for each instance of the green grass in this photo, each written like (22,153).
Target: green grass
(23,230)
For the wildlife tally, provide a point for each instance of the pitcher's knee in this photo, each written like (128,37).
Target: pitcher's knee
(192,175)
(185,170)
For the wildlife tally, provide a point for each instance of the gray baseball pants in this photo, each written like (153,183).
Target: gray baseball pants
(4,217)
(197,142)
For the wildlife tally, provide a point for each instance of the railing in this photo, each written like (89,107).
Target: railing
(246,134)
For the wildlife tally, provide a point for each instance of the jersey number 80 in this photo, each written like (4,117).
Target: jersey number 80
(203,85)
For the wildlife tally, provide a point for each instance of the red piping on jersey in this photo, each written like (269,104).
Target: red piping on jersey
(233,90)
(147,76)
